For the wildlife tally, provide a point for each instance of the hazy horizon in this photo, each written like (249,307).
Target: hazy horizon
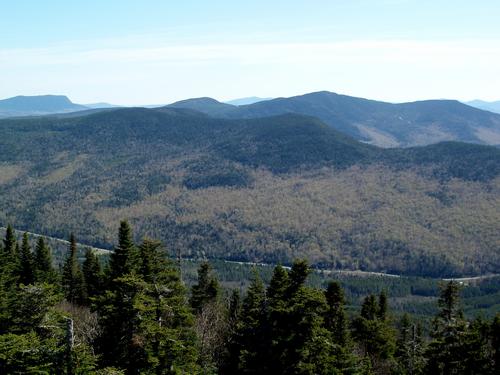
(128,53)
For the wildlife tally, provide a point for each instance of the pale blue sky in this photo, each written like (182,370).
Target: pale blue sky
(142,52)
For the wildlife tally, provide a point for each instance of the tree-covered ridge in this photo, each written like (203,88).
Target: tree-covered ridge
(135,315)
(379,123)
(259,190)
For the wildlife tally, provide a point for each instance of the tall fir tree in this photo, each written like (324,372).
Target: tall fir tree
(336,319)
(10,241)
(10,257)
(249,356)
(207,288)
(124,259)
(446,351)
(410,347)
(147,325)
(151,259)
(26,263)
(374,334)
(43,264)
(72,278)
(92,274)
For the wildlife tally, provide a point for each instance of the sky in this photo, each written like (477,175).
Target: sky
(156,52)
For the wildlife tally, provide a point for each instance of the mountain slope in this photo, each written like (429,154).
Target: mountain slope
(266,189)
(379,123)
(37,105)
(208,106)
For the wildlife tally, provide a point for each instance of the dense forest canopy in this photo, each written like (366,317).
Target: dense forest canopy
(266,189)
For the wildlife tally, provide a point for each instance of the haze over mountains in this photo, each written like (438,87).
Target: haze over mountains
(374,122)
(260,189)
(37,105)
(487,106)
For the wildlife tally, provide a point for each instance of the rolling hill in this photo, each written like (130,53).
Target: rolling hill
(37,105)
(378,123)
(261,189)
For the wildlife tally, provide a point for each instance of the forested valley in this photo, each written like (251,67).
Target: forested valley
(259,190)
(136,311)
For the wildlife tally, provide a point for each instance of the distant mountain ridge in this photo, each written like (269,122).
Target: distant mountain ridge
(484,105)
(374,122)
(37,105)
(246,101)
(379,123)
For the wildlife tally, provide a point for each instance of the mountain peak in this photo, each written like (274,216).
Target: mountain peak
(39,104)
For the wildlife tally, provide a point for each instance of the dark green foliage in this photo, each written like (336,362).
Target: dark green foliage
(495,343)
(336,319)
(26,262)
(143,322)
(446,352)
(249,349)
(92,274)
(44,271)
(152,260)
(284,331)
(72,278)
(10,242)
(206,290)
(146,322)
(373,332)
(410,347)
(124,259)
(382,306)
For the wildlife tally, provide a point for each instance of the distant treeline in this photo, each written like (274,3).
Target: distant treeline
(135,315)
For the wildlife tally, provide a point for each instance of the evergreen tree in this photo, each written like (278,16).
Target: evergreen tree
(44,271)
(250,352)
(92,274)
(124,259)
(410,347)
(298,275)
(207,288)
(72,278)
(9,258)
(26,264)
(477,354)
(10,241)
(152,259)
(337,323)
(446,351)
(234,307)
(382,306)
(8,277)
(495,343)
(276,326)
(336,319)
(147,326)
(373,332)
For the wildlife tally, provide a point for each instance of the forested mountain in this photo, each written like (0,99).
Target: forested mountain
(266,189)
(37,105)
(379,123)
